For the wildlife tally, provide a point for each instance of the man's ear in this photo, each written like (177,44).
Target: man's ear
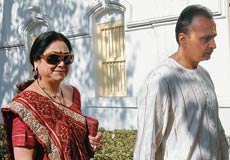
(182,39)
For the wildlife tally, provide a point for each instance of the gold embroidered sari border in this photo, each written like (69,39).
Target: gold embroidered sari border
(40,131)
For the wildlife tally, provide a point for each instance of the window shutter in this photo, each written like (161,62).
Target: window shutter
(111,59)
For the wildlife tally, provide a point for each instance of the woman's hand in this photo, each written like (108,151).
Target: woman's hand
(97,141)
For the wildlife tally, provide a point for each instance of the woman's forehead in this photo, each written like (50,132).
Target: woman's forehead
(58,46)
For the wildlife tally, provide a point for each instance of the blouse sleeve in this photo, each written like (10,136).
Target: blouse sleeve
(153,110)
(22,135)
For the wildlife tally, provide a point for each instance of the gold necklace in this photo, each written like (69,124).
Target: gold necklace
(57,98)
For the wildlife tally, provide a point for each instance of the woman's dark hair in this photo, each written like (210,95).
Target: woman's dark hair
(43,41)
(187,15)
(39,46)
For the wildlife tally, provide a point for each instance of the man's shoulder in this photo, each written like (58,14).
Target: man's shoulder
(202,69)
(164,69)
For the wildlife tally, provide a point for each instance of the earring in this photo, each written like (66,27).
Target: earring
(35,72)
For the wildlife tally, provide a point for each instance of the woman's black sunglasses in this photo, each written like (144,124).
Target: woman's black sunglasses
(55,58)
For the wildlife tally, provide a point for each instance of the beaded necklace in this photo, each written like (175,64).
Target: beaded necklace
(57,98)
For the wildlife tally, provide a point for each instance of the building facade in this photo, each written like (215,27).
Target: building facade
(116,44)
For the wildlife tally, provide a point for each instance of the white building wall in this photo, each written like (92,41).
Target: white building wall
(158,41)
(149,38)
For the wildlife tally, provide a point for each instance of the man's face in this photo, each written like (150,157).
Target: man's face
(200,39)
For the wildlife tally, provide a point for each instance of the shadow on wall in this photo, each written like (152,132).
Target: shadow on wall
(83,77)
(14,57)
(5,81)
(13,53)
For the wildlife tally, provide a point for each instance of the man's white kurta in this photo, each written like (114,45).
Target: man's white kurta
(178,116)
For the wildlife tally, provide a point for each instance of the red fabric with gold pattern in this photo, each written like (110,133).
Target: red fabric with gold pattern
(60,130)
(22,136)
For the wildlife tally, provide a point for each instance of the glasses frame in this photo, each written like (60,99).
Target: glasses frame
(61,57)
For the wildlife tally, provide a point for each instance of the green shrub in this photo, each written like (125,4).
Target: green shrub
(2,145)
(118,145)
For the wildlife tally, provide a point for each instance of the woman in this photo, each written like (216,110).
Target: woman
(44,121)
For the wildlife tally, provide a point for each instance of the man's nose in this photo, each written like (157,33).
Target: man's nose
(213,44)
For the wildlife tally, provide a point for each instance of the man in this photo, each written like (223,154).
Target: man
(178,111)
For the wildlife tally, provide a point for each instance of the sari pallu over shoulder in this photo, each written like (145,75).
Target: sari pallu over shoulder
(61,131)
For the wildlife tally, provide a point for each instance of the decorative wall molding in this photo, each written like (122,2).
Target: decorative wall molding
(97,7)
(35,16)
(11,45)
(218,12)
(224,102)
(111,102)
(34,19)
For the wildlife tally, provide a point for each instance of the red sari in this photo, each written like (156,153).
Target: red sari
(60,131)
